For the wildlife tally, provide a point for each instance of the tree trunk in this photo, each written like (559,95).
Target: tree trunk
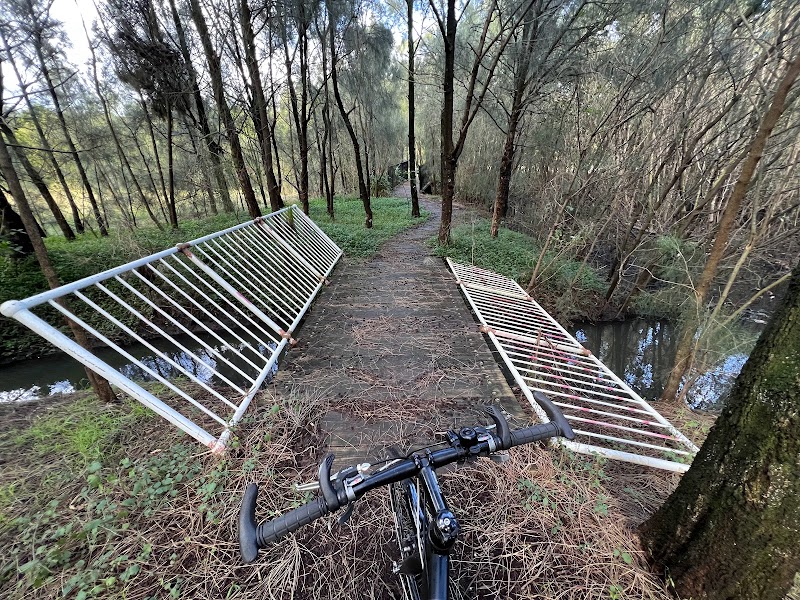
(521,83)
(173,210)
(363,191)
(215,71)
(506,167)
(12,229)
(51,88)
(123,156)
(684,353)
(300,109)
(330,176)
(730,530)
(76,216)
(260,117)
(412,150)
(37,180)
(448,159)
(214,151)
(101,386)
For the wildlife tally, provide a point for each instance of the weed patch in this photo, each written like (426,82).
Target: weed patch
(564,286)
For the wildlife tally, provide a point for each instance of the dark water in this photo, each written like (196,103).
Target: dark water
(60,373)
(640,352)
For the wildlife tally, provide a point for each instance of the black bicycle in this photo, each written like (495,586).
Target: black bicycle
(426,528)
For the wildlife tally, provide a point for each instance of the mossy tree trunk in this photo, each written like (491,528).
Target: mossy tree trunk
(731,529)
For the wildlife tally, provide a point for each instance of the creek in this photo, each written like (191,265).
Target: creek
(638,350)
(59,373)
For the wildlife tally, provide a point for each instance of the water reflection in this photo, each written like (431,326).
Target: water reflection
(640,352)
(58,374)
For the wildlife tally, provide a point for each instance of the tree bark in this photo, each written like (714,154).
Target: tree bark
(12,229)
(37,180)
(684,353)
(300,109)
(521,82)
(731,528)
(448,159)
(214,151)
(173,210)
(412,141)
(215,71)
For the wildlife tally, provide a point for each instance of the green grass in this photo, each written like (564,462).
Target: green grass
(391,216)
(106,501)
(514,255)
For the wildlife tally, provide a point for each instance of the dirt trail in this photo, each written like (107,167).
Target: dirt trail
(392,346)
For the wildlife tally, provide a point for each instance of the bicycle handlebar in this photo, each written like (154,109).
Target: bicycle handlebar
(253,536)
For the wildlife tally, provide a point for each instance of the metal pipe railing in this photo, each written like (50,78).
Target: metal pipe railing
(542,356)
(217,312)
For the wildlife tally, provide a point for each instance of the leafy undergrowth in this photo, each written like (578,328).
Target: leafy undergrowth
(563,286)
(109,501)
(391,216)
(89,255)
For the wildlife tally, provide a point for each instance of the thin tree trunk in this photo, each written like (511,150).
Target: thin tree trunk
(215,71)
(37,180)
(412,140)
(123,156)
(300,110)
(156,154)
(448,159)
(685,348)
(101,386)
(214,151)
(506,167)
(363,192)
(13,229)
(260,117)
(173,210)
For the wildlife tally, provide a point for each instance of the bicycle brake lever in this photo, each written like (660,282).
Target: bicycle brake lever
(326,486)
(503,430)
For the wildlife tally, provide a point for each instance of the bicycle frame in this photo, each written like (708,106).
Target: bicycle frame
(437,534)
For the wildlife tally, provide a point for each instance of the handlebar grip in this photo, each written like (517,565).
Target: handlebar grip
(271,531)
(527,435)
(555,414)
(253,537)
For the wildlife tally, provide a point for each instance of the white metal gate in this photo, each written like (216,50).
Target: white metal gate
(213,316)
(608,417)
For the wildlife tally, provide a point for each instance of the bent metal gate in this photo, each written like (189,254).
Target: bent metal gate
(215,313)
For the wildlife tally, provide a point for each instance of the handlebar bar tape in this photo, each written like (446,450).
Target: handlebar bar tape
(253,537)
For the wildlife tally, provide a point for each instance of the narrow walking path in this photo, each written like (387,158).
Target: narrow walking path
(395,351)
